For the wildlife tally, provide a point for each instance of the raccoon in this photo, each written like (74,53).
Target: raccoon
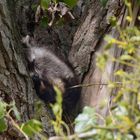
(48,70)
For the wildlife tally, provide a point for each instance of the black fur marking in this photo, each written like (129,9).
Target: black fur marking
(48,95)
(71,95)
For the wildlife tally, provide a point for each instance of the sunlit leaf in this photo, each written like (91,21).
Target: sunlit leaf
(85,120)
(126,57)
(135,38)
(88,110)
(129,137)
(17,114)
(111,84)
(129,19)
(138,98)
(130,48)
(58,94)
(3,106)
(121,111)
(32,127)
(56,108)
(101,60)
(108,46)
(110,39)
(113,21)
(120,73)
(109,120)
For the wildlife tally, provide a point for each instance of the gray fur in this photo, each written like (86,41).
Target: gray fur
(46,64)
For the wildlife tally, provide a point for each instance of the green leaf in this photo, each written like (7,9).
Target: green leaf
(70,3)
(135,38)
(3,125)
(111,84)
(120,73)
(103,2)
(126,57)
(85,120)
(108,120)
(120,111)
(31,127)
(56,108)
(17,114)
(108,46)
(101,60)
(3,106)
(88,110)
(45,4)
(109,39)
(129,137)
(59,95)
(113,21)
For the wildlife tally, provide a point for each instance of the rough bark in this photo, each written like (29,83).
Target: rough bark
(15,83)
(88,40)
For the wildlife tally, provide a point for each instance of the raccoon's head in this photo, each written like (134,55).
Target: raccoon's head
(28,41)
(32,51)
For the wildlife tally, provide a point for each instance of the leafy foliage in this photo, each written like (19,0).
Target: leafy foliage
(52,11)
(57,110)
(86,120)
(29,128)
(3,106)
(114,126)
(32,127)
(124,118)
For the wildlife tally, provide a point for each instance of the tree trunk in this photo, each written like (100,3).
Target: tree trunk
(15,83)
(88,42)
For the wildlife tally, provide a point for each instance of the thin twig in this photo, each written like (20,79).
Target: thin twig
(83,135)
(17,126)
(93,84)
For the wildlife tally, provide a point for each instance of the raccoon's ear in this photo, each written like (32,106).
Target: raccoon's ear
(26,41)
